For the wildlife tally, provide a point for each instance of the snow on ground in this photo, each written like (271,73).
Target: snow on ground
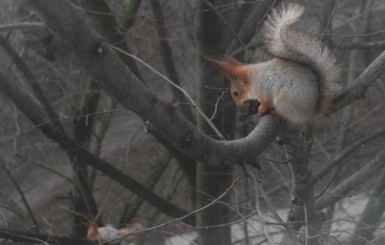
(346,212)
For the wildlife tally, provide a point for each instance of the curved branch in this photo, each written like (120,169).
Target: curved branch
(161,117)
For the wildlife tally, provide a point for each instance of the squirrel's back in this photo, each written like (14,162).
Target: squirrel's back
(284,42)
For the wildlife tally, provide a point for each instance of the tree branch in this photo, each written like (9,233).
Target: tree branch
(351,182)
(21,193)
(162,118)
(31,109)
(31,80)
(360,45)
(20,236)
(372,213)
(166,55)
(356,90)
(341,157)
(21,26)
(297,150)
(251,24)
(108,27)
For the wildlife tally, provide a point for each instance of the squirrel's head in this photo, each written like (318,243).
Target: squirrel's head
(92,230)
(241,90)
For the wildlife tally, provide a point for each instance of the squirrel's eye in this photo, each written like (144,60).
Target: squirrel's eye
(235,93)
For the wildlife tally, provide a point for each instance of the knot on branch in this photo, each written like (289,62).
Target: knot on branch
(100,49)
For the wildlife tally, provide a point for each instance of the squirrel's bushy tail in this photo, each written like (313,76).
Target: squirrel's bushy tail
(283,41)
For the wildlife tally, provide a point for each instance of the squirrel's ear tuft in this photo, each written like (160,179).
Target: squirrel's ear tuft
(233,61)
(228,67)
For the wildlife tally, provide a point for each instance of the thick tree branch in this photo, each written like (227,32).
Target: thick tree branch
(166,55)
(162,118)
(356,90)
(107,26)
(187,164)
(31,80)
(31,109)
(251,24)
(82,196)
(297,150)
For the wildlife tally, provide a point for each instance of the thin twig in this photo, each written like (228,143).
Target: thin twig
(31,81)
(21,26)
(249,173)
(335,174)
(220,15)
(360,45)
(176,86)
(51,171)
(178,219)
(13,211)
(216,106)
(305,211)
(21,193)
(286,225)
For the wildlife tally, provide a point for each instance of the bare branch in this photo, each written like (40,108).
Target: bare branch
(341,157)
(105,23)
(357,89)
(372,213)
(252,23)
(178,87)
(20,236)
(181,218)
(360,45)
(220,15)
(21,193)
(351,182)
(33,111)
(163,120)
(31,80)
(168,61)
(21,26)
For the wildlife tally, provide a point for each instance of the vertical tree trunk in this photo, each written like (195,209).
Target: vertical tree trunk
(297,154)
(213,180)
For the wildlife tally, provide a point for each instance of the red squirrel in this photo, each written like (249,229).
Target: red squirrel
(298,83)
(109,233)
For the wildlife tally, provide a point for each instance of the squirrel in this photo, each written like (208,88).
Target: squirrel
(299,83)
(108,233)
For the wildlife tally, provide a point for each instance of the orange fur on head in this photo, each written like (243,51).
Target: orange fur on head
(231,68)
(92,230)
(237,73)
